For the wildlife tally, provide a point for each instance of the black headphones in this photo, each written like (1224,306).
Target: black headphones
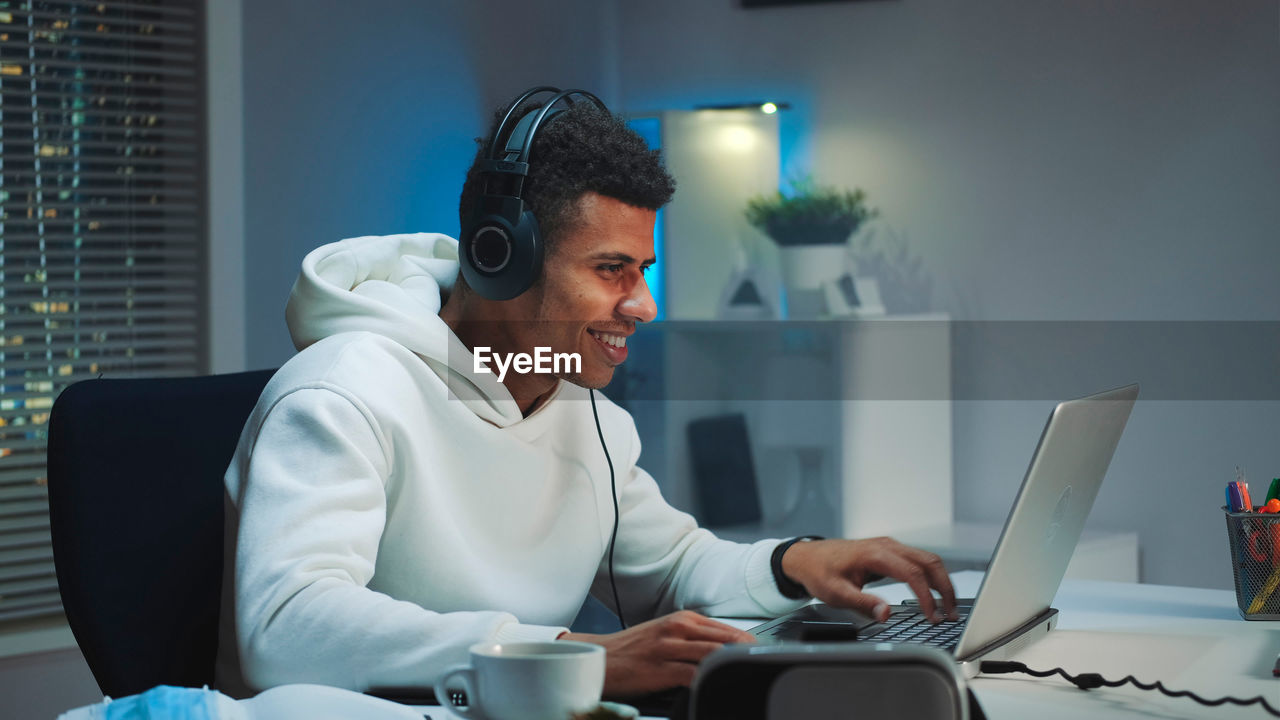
(501,249)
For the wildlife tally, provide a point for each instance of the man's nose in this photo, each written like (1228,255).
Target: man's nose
(639,304)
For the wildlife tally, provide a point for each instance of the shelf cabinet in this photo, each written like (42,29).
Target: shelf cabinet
(849,421)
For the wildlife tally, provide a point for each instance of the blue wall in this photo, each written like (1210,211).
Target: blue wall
(358,121)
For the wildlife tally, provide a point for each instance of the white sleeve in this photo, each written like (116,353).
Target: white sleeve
(664,562)
(311,510)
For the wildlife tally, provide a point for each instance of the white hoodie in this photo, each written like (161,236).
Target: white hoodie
(389,509)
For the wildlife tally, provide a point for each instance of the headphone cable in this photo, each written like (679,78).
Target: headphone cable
(613,488)
(1088,681)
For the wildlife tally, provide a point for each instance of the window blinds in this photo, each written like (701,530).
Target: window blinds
(102,231)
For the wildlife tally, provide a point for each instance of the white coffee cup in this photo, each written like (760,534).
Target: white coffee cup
(526,680)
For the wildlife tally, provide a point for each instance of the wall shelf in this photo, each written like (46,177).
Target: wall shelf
(849,420)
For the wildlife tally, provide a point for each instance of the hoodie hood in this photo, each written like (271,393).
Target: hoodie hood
(394,286)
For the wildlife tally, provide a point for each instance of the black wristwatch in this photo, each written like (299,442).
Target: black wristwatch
(789,588)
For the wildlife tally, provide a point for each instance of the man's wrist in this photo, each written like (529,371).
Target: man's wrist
(789,588)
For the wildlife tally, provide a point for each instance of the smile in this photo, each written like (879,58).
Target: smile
(619,341)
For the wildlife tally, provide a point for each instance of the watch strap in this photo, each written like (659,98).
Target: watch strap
(789,588)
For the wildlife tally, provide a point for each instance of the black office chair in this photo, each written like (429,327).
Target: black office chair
(135,508)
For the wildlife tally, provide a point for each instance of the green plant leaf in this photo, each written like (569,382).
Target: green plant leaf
(811,214)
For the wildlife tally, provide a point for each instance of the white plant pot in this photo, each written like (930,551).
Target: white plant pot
(806,267)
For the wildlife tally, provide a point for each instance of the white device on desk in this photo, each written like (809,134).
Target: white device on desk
(1012,606)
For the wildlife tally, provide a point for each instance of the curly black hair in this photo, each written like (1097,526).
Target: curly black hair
(584,149)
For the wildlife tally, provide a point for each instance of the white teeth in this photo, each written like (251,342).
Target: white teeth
(614,340)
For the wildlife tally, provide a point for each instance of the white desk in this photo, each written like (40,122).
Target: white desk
(1189,638)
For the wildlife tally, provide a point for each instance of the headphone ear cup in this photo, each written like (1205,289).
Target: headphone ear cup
(500,261)
(526,254)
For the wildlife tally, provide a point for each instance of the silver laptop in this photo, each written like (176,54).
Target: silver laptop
(1011,609)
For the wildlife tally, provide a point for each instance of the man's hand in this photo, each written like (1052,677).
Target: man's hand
(834,571)
(661,653)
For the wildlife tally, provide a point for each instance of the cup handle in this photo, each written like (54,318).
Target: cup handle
(466,677)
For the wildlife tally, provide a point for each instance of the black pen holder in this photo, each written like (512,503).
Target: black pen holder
(1255,561)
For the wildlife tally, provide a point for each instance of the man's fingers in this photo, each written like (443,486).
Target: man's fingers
(935,574)
(700,627)
(728,634)
(920,570)
(692,651)
(940,581)
(902,567)
(865,603)
(843,568)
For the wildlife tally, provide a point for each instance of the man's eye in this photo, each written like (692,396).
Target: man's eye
(645,269)
(616,267)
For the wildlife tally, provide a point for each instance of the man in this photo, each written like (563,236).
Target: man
(392,503)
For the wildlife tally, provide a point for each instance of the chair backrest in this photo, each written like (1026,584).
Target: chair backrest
(136,510)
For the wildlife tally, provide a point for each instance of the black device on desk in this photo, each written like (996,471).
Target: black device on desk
(866,681)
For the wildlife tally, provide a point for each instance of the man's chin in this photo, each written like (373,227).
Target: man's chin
(595,381)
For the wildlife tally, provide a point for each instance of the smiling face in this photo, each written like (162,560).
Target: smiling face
(592,291)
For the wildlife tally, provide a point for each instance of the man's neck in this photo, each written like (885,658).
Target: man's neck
(538,402)
(529,390)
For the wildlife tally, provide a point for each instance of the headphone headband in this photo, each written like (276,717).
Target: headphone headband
(547,111)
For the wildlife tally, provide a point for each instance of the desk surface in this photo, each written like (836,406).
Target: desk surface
(1188,638)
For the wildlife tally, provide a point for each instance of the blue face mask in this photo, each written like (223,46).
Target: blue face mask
(165,702)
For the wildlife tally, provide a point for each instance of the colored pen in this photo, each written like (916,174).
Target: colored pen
(1235,500)
(1243,484)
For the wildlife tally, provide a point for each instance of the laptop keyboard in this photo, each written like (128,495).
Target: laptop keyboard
(911,626)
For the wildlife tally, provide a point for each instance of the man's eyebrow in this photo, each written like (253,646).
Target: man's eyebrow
(621,257)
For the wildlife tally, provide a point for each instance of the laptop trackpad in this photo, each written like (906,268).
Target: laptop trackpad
(823,623)
(821,612)
(816,632)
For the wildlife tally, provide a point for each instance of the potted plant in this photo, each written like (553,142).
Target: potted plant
(811,226)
